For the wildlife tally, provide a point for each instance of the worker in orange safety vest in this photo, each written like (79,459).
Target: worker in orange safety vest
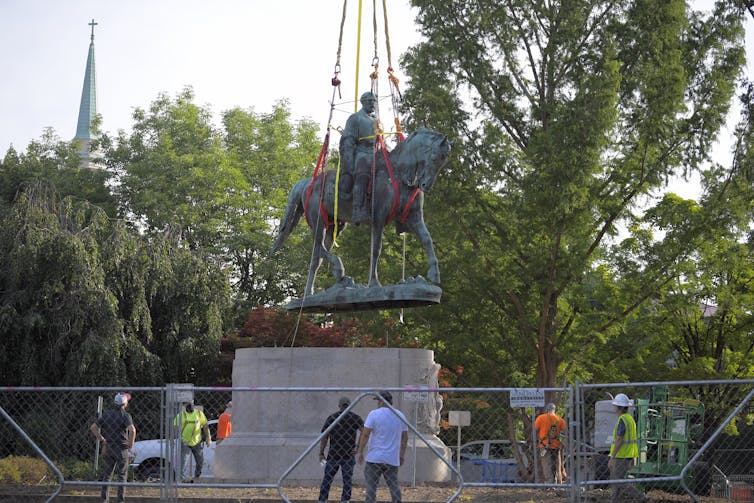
(224,425)
(549,427)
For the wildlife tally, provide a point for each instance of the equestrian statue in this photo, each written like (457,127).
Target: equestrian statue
(399,180)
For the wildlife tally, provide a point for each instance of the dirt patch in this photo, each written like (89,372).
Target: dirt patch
(419,494)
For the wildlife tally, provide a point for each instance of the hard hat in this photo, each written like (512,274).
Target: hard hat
(621,400)
(550,407)
(122,398)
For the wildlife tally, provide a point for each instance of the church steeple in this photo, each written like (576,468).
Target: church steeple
(88,106)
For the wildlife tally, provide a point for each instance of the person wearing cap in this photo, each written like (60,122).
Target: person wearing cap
(342,438)
(623,452)
(115,430)
(383,446)
(192,422)
(549,426)
(357,153)
(224,425)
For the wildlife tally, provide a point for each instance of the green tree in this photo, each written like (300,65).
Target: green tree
(570,116)
(85,300)
(704,313)
(58,321)
(220,189)
(55,162)
(173,171)
(188,296)
(271,152)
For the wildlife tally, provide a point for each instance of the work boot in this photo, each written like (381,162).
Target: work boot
(360,212)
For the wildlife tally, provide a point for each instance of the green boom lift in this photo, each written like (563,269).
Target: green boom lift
(669,432)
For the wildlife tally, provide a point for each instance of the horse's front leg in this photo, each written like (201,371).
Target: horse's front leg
(377,228)
(433,274)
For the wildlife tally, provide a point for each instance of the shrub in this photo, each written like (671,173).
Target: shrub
(24,470)
(9,472)
(75,469)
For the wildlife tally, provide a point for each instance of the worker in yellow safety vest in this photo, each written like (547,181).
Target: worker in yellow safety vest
(191,422)
(623,452)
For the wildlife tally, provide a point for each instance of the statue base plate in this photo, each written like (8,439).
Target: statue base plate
(349,296)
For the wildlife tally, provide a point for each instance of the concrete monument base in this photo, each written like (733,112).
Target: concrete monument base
(273,429)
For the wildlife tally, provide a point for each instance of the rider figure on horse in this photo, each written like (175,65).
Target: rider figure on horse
(357,154)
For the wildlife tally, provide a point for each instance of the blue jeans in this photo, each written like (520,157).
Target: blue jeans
(198,452)
(372,472)
(346,471)
(115,459)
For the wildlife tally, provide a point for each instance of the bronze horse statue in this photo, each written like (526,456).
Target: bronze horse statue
(415,161)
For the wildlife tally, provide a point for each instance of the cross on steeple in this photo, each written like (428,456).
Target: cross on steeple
(92,24)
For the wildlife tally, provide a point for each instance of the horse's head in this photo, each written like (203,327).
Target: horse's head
(422,155)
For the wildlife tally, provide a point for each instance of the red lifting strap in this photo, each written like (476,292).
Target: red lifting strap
(321,164)
(407,208)
(410,201)
(396,190)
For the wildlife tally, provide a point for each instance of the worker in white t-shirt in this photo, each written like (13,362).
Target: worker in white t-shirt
(384,440)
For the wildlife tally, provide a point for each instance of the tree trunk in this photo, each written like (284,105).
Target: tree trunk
(547,358)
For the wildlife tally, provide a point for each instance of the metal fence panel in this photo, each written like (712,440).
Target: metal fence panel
(696,439)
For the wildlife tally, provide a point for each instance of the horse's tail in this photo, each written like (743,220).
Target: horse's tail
(293,212)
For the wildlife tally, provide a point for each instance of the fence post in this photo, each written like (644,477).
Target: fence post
(96,441)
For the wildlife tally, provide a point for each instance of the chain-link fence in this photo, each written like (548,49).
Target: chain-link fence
(695,438)
(694,441)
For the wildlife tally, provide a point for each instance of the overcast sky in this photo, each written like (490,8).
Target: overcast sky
(246,53)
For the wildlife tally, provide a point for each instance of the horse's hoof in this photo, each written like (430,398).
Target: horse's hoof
(346,281)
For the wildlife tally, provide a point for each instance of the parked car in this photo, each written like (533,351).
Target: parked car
(148,454)
(490,461)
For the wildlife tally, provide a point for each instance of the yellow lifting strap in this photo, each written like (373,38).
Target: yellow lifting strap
(374,84)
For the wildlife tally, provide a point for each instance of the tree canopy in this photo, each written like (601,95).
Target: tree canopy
(133,273)
(571,118)
(85,301)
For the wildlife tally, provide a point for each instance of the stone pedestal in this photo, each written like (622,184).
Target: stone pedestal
(271,430)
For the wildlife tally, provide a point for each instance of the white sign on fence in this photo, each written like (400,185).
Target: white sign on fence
(527,397)
(184,392)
